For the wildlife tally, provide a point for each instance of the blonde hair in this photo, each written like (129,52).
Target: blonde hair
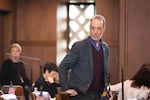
(16,45)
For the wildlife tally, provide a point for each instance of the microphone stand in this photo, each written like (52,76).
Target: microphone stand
(31,77)
(122,74)
(41,79)
(122,80)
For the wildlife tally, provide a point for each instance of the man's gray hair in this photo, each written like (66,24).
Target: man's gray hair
(99,17)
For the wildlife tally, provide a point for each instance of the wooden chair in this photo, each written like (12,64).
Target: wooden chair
(1,98)
(114,96)
(18,91)
(62,96)
(32,96)
(1,92)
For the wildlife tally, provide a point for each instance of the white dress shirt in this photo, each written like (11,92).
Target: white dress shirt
(130,93)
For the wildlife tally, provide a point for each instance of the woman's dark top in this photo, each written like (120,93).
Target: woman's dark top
(13,72)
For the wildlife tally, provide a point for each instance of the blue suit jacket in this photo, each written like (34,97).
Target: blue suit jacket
(80,61)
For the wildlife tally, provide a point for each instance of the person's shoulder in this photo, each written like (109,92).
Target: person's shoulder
(128,81)
(144,88)
(38,82)
(7,62)
(104,43)
(82,42)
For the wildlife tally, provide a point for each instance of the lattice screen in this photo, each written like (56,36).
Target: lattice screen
(79,15)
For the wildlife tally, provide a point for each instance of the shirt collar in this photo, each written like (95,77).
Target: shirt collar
(93,43)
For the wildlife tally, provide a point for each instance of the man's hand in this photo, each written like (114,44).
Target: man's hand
(71,92)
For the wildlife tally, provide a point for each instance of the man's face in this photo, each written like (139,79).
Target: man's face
(96,29)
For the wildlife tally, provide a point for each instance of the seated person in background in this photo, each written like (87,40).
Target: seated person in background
(49,80)
(13,70)
(136,88)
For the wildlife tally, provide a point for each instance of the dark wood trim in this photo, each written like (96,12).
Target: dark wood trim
(38,43)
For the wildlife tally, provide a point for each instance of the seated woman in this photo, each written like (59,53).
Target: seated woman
(136,88)
(49,80)
(13,70)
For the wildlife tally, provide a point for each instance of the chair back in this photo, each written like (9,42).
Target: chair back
(1,92)
(19,90)
(62,96)
(1,98)
(32,96)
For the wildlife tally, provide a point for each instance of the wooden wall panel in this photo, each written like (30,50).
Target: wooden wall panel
(134,35)
(36,30)
(128,28)
(7,5)
(36,20)
(1,37)
(7,9)
(138,34)
(44,53)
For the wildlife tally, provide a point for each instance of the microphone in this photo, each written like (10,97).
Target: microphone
(122,74)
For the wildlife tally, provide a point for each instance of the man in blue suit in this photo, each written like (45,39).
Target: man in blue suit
(88,61)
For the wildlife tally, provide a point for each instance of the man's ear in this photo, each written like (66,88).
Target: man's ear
(104,29)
